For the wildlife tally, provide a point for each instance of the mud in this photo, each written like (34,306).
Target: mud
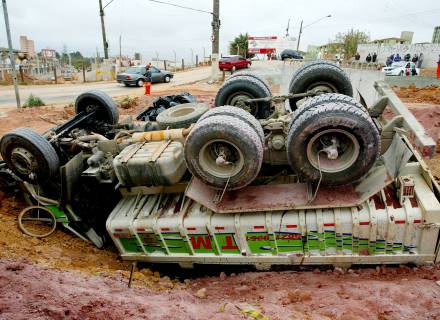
(381,293)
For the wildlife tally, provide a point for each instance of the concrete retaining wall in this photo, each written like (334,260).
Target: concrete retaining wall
(430,52)
(419,82)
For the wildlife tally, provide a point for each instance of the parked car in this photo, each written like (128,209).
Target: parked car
(402,68)
(290,54)
(233,63)
(137,76)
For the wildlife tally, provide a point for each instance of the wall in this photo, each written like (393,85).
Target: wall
(430,52)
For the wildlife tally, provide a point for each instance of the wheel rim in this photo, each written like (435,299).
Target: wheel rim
(322,86)
(236,101)
(24,161)
(140,83)
(337,150)
(37,221)
(182,112)
(167,79)
(221,158)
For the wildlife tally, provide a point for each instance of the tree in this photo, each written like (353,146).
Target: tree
(350,41)
(239,45)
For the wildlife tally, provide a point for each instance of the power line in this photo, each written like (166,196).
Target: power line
(179,6)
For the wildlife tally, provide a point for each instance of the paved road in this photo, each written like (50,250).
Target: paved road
(66,93)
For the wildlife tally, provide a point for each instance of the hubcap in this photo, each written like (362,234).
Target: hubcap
(24,162)
(324,87)
(221,158)
(182,112)
(238,100)
(337,150)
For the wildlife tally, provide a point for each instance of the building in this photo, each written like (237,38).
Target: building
(48,54)
(391,41)
(407,36)
(27,46)
(436,35)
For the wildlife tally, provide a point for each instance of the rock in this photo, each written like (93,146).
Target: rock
(156,274)
(316,271)
(223,276)
(339,270)
(187,281)
(147,272)
(438,283)
(201,293)
(351,271)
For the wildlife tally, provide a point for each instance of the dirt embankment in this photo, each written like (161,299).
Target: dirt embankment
(413,94)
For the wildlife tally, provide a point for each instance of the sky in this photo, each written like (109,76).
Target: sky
(156,29)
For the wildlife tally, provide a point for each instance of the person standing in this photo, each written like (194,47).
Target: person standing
(357,56)
(415,58)
(368,58)
(419,63)
(438,67)
(148,72)
(374,57)
(397,58)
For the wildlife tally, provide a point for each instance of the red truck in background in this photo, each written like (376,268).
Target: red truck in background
(233,63)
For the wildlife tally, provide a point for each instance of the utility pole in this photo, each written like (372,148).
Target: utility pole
(299,35)
(104,39)
(215,39)
(11,54)
(120,50)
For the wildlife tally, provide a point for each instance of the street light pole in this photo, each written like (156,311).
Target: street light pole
(299,35)
(104,39)
(11,54)
(301,28)
(215,39)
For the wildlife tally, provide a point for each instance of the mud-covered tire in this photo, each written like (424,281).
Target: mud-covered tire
(107,110)
(252,75)
(244,87)
(239,114)
(181,116)
(324,99)
(353,124)
(30,156)
(326,76)
(243,147)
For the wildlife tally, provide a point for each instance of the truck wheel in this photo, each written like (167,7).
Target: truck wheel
(337,140)
(252,75)
(323,100)
(243,88)
(224,152)
(325,77)
(239,114)
(181,116)
(89,101)
(31,157)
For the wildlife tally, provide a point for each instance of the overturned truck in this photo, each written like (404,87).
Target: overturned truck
(312,177)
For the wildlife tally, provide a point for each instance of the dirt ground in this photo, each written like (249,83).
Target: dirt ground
(63,277)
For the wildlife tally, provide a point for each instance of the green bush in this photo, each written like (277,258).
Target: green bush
(33,101)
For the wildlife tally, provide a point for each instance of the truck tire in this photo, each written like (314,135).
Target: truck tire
(252,75)
(31,157)
(324,99)
(244,87)
(349,129)
(324,76)
(107,110)
(239,114)
(181,116)
(239,144)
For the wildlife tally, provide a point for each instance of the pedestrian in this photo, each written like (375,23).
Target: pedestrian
(415,58)
(368,58)
(407,57)
(419,63)
(397,58)
(389,61)
(148,72)
(357,56)
(374,57)
(438,67)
